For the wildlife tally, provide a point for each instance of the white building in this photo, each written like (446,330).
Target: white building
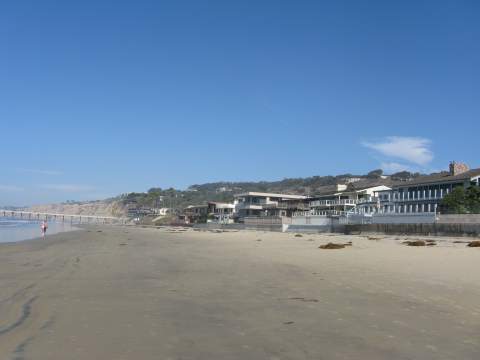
(221,212)
(340,199)
(423,194)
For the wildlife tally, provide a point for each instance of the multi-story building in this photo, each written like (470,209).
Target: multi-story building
(340,199)
(286,208)
(221,212)
(423,194)
(265,204)
(195,213)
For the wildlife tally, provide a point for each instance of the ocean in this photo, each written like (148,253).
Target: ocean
(13,230)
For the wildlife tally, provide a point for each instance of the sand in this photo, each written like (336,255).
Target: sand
(125,293)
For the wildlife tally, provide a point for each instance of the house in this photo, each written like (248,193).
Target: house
(221,212)
(263,204)
(423,194)
(286,207)
(137,212)
(336,200)
(195,213)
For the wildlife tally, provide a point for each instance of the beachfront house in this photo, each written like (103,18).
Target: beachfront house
(423,194)
(336,200)
(220,212)
(264,204)
(195,213)
(286,207)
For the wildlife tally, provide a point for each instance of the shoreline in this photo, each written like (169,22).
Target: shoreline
(143,293)
(31,231)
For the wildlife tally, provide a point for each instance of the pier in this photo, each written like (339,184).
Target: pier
(77,219)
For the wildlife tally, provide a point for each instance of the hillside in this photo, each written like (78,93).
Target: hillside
(217,191)
(224,191)
(99,208)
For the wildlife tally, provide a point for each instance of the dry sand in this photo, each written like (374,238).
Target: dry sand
(125,293)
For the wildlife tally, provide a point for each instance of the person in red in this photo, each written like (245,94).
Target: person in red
(44,228)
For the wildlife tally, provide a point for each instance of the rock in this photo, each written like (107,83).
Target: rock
(415,243)
(475,243)
(298,235)
(332,246)
(303,299)
(374,238)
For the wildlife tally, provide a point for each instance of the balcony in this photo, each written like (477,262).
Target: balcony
(319,213)
(328,203)
(370,199)
(287,206)
(421,198)
(248,206)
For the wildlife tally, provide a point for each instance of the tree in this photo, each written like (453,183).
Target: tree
(461,201)
(375,174)
(454,202)
(402,175)
(155,190)
(472,199)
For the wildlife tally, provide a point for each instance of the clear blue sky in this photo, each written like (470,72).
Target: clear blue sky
(102,97)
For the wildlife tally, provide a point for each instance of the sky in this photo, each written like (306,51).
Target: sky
(99,98)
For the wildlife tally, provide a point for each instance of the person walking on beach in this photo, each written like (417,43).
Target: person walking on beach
(44,228)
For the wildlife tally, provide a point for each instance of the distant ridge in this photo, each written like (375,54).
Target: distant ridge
(225,190)
(219,191)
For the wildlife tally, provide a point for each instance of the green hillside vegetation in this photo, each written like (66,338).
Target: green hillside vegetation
(462,201)
(224,191)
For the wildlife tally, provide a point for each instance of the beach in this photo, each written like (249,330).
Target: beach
(142,293)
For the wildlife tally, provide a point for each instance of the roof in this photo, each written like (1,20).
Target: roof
(196,206)
(352,187)
(327,190)
(261,194)
(369,183)
(221,204)
(442,177)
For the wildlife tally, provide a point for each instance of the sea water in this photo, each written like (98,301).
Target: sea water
(13,230)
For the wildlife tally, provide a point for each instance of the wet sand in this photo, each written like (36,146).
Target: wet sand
(126,293)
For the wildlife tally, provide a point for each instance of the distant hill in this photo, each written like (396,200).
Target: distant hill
(310,185)
(108,207)
(218,191)
(224,191)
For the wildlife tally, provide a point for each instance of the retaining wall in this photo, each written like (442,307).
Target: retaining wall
(258,227)
(444,225)
(417,218)
(435,229)
(334,227)
(216,226)
(459,219)
(313,220)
